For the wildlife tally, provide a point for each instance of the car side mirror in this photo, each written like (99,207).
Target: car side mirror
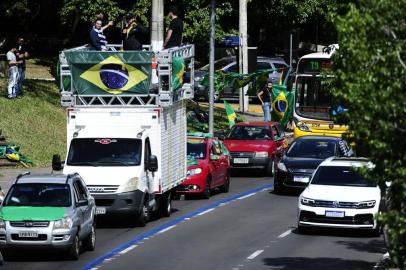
(153,163)
(57,163)
(82,203)
(214,157)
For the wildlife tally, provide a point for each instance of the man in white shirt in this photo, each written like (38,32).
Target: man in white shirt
(12,72)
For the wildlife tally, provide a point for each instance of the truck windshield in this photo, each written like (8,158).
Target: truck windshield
(250,133)
(39,194)
(104,152)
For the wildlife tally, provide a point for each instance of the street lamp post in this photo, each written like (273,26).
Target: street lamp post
(211,70)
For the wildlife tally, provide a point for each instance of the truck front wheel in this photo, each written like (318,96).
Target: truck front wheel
(143,216)
(165,204)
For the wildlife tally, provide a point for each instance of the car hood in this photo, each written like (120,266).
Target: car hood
(247,146)
(31,213)
(339,193)
(295,163)
(113,175)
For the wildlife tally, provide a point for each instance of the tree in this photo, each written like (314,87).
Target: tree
(371,82)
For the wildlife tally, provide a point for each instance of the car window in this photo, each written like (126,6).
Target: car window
(340,176)
(80,190)
(263,65)
(147,153)
(218,147)
(276,135)
(215,150)
(196,148)
(312,148)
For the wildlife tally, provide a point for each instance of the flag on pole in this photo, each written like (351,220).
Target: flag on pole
(232,117)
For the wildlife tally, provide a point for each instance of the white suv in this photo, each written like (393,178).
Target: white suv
(338,197)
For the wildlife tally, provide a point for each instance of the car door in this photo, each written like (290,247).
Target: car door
(85,210)
(214,163)
(279,142)
(223,163)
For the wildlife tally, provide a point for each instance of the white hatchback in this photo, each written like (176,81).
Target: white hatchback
(338,197)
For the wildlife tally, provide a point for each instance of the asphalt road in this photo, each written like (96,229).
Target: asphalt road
(247,228)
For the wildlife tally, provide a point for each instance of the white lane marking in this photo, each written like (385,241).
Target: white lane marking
(166,229)
(247,196)
(124,251)
(255,254)
(205,212)
(285,234)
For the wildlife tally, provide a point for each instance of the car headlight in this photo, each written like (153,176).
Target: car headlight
(65,223)
(194,171)
(130,185)
(366,204)
(282,167)
(2,224)
(303,127)
(307,201)
(261,154)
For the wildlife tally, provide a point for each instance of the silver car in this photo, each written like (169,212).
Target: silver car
(50,212)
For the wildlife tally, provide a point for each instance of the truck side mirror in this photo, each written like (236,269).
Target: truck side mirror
(56,163)
(153,163)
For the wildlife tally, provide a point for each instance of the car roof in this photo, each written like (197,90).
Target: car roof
(257,124)
(42,178)
(347,162)
(332,138)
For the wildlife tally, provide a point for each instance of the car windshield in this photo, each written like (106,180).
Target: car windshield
(104,152)
(196,148)
(57,195)
(219,64)
(340,176)
(309,148)
(250,133)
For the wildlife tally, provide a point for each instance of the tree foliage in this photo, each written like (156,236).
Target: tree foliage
(371,81)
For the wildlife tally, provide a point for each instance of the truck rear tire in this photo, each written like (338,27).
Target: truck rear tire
(165,204)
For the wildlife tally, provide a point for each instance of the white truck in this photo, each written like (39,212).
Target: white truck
(129,149)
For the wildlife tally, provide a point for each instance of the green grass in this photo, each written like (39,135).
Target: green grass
(36,122)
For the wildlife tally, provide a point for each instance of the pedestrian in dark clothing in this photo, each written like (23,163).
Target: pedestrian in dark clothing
(22,54)
(265,97)
(133,34)
(174,34)
(98,40)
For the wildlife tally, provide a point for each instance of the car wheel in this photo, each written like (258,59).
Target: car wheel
(270,169)
(277,186)
(90,242)
(207,189)
(166,205)
(74,250)
(143,216)
(376,232)
(226,187)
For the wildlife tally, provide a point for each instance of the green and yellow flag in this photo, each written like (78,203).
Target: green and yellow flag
(104,73)
(178,69)
(282,104)
(231,115)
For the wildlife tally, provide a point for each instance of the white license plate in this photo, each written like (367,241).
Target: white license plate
(241,160)
(100,210)
(28,234)
(335,214)
(301,179)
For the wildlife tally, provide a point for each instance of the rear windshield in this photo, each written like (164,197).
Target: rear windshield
(309,148)
(250,133)
(340,176)
(104,152)
(39,195)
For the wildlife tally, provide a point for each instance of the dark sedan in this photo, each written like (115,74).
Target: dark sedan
(296,167)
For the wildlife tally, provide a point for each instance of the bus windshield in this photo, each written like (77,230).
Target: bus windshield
(313,99)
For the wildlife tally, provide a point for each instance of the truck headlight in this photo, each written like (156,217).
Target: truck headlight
(130,185)
(366,204)
(302,126)
(307,201)
(194,171)
(65,223)
(282,167)
(261,154)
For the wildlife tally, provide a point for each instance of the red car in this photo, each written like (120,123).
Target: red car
(208,167)
(256,145)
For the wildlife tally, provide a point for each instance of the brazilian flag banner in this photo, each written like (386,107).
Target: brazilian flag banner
(282,104)
(231,115)
(107,73)
(178,69)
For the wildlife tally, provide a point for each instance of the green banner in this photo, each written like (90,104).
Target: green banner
(282,104)
(106,73)
(178,69)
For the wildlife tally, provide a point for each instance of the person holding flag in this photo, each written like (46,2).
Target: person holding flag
(265,97)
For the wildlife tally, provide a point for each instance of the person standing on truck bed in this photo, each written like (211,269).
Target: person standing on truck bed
(133,34)
(174,34)
(98,40)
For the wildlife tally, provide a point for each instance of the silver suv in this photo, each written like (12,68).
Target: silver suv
(48,211)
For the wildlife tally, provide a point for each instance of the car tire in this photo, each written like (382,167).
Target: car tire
(74,250)
(226,187)
(90,241)
(207,190)
(165,205)
(143,215)
(270,169)
(277,186)
(376,232)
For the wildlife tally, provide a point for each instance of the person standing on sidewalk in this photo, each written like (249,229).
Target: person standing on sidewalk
(265,97)
(22,55)
(12,72)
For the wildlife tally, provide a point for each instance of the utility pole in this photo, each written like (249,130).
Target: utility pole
(243,53)
(157,30)
(211,70)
